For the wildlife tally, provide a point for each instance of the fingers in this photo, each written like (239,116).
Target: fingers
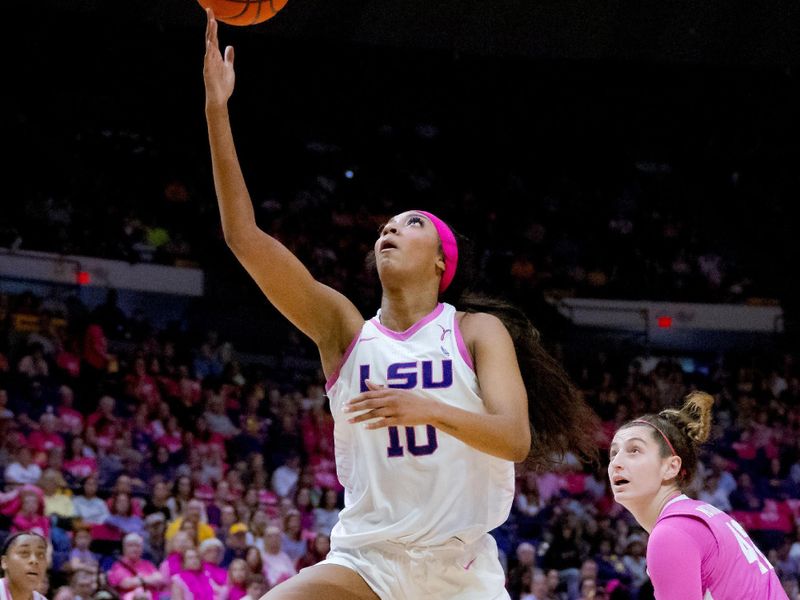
(372,385)
(382,413)
(357,404)
(229,55)
(211,28)
(365,396)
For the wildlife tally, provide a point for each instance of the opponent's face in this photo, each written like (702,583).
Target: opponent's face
(636,468)
(409,244)
(25,562)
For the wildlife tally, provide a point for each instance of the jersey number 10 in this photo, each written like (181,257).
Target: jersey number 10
(396,449)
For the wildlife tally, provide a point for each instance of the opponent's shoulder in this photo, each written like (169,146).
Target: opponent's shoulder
(677,531)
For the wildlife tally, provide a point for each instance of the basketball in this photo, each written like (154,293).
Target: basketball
(243,12)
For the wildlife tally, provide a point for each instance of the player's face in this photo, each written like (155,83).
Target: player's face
(636,468)
(25,563)
(408,243)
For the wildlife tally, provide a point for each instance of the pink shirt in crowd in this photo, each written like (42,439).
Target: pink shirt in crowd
(698,552)
(122,569)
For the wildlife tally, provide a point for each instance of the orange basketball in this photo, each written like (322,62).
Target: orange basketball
(243,12)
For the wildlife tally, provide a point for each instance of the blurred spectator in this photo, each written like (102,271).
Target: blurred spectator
(634,561)
(278,565)
(218,420)
(34,364)
(158,501)
(70,421)
(81,558)
(182,493)
(133,577)
(293,540)
(155,544)
(236,543)
(327,514)
(45,437)
(206,364)
(316,551)
(211,553)
(255,561)
(538,589)
(122,516)
(194,513)
(57,497)
(285,477)
(193,582)
(745,496)
(520,575)
(88,507)
(256,587)
(237,579)
(563,555)
(22,470)
(31,515)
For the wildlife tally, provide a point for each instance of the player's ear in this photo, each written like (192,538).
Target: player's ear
(672,467)
(440,264)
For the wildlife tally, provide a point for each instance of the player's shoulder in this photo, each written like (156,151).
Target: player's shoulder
(676,530)
(479,324)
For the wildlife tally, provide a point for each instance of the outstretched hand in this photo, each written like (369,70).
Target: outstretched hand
(391,407)
(217,71)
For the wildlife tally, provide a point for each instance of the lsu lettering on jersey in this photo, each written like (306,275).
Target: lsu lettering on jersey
(414,485)
(734,568)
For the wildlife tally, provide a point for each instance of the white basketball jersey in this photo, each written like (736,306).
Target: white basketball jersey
(414,485)
(6,595)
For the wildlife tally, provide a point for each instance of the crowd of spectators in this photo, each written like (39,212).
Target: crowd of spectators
(161,467)
(566,176)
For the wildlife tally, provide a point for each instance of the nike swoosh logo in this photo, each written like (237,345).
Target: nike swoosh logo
(368,338)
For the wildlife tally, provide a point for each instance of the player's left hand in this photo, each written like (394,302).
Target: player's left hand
(391,406)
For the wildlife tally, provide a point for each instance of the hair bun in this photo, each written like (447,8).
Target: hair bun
(697,412)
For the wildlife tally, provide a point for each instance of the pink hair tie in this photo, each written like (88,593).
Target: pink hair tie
(449,249)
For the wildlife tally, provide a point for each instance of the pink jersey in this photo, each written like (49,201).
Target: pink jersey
(698,552)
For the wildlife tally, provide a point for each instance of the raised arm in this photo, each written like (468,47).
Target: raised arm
(322,313)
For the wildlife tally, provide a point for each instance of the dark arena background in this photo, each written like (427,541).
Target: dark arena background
(629,175)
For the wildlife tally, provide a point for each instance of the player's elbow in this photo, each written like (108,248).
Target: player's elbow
(521,446)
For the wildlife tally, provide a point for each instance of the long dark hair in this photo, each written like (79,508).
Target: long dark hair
(561,420)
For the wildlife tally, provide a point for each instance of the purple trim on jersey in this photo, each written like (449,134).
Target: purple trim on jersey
(403,336)
(335,375)
(462,347)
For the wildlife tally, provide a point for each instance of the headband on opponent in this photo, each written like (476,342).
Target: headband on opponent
(663,435)
(449,249)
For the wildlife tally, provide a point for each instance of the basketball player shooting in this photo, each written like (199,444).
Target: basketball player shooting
(432,403)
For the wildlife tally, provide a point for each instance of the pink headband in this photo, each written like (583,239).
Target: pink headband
(449,249)
(666,439)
